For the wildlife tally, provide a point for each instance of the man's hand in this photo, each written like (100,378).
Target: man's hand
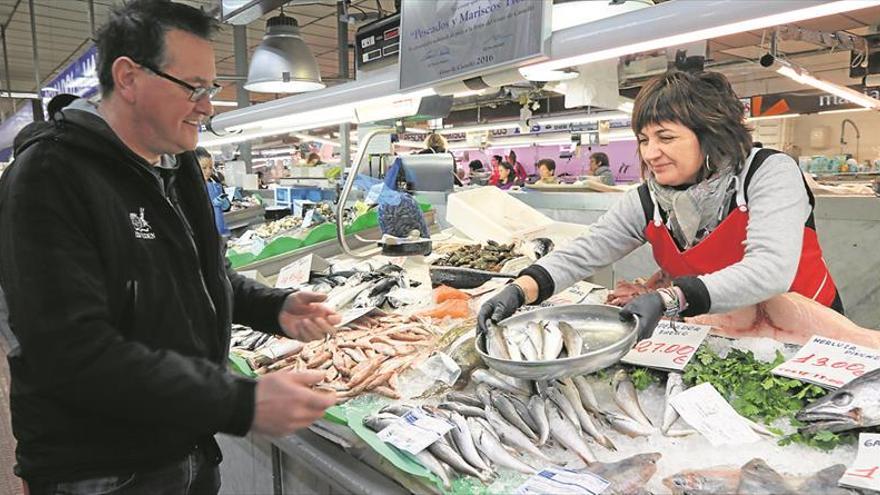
(649,308)
(304,318)
(286,402)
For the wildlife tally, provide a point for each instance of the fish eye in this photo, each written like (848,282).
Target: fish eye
(842,399)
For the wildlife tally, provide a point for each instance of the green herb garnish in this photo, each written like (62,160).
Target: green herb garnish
(642,378)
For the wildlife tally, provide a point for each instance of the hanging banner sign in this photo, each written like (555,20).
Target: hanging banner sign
(79,78)
(799,103)
(446,40)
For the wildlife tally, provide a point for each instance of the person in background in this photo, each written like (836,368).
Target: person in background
(219,200)
(495,164)
(261,180)
(519,169)
(313,160)
(434,143)
(546,171)
(55,105)
(120,296)
(729,225)
(600,168)
(506,176)
(475,166)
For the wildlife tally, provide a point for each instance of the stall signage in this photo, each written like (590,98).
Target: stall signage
(563,482)
(79,78)
(706,411)
(865,470)
(415,431)
(670,347)
(299,271)
(829,363)
(447,40)
(799,103)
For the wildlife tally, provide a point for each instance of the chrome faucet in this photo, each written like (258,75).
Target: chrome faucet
(843,141)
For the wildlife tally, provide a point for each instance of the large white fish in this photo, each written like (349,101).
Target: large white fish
(535,334)
(627,399)
(496,345)
(627,425)
(481,375)
(570,391)
(564,433)
(491,446)
(461,435)
(539,415)
(512,436)
(588,398)
(558,398)
(574,343)
(552,341)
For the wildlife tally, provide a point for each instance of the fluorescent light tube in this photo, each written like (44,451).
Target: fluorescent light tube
(803,76)
(581,118)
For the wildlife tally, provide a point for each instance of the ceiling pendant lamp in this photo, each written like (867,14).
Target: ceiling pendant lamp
(283,63)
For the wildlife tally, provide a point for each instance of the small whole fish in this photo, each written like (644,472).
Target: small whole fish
(628,476)
(627,399)
(462,398)
(535,335)
(463,409)
(558,398)
(854,405)
(539,414)
(491,446)
(396,409)
(521,404)
(574,343)
(586,421)
(627,425)
(552,341)
(524,344)
(482,375)
(512,348)
(588,398)
(563,432)
(496,345)
(710,481)
(674,386)
(512,436)
(444,452)
(758,478)
(483,394)
(435,466)
(461,436)
(504,405)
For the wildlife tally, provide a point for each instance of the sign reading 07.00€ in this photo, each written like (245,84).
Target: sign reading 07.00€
(444,40)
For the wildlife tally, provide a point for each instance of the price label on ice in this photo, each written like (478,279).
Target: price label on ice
(670,347)
(706,411)
(415,431)
(295,274)
(829,363)
(865,470)
(561,481)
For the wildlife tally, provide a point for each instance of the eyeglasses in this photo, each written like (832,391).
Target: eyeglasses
(197,93)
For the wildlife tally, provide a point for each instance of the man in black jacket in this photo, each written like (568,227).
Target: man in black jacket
(119,295)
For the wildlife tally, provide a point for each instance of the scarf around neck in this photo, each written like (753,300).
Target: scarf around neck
(694,212)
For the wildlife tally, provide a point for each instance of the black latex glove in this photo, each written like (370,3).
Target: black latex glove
(649,308)
(500,306)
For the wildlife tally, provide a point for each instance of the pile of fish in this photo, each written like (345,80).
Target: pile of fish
(756,477)
(368,356)
(490,257)
(510,420)
(483,440)
(261,349)
(537,341)
(370,288)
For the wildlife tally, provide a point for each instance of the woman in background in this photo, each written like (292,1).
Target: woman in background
(600,168)
(506,176)
(219,200)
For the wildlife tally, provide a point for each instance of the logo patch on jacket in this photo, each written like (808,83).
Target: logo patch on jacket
(142,229)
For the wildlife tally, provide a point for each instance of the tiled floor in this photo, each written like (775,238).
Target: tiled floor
(9,483)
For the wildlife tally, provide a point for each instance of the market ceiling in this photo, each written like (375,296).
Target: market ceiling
(64,30)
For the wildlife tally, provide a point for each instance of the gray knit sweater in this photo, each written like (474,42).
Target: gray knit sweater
(778,208)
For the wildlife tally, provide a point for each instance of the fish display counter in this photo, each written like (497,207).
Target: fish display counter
(423,409)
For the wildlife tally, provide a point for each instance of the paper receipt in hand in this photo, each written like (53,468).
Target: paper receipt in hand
(415,431)
(707,412)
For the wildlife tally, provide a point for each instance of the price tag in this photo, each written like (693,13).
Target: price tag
(295,274)
(829,363)
(415,431)
(670,347)
(706,411)
(865,470)
(257,245)
(307,220)
(561,481)
(573,295)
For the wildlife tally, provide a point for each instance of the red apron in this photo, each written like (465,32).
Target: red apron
(725,246)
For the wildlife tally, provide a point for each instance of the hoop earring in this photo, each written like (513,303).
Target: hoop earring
(707,164)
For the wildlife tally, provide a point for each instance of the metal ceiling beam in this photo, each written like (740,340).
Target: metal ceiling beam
(342,40)
(11,13)
(6,65)
(34,40)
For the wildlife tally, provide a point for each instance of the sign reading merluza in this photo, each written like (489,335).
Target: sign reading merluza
(446,40)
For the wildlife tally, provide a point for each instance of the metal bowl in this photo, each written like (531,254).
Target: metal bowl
(585,318)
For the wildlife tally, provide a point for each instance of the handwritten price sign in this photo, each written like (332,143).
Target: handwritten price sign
(829,363)
(670,347)
(865,470)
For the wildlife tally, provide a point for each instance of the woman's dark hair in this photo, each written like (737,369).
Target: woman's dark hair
(512,156)
(601,159)
(546,162)
(705,103)
(498,158)
(511,175)
(475,165)
(136,29)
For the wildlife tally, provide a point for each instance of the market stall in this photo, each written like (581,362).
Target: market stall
(418,358)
